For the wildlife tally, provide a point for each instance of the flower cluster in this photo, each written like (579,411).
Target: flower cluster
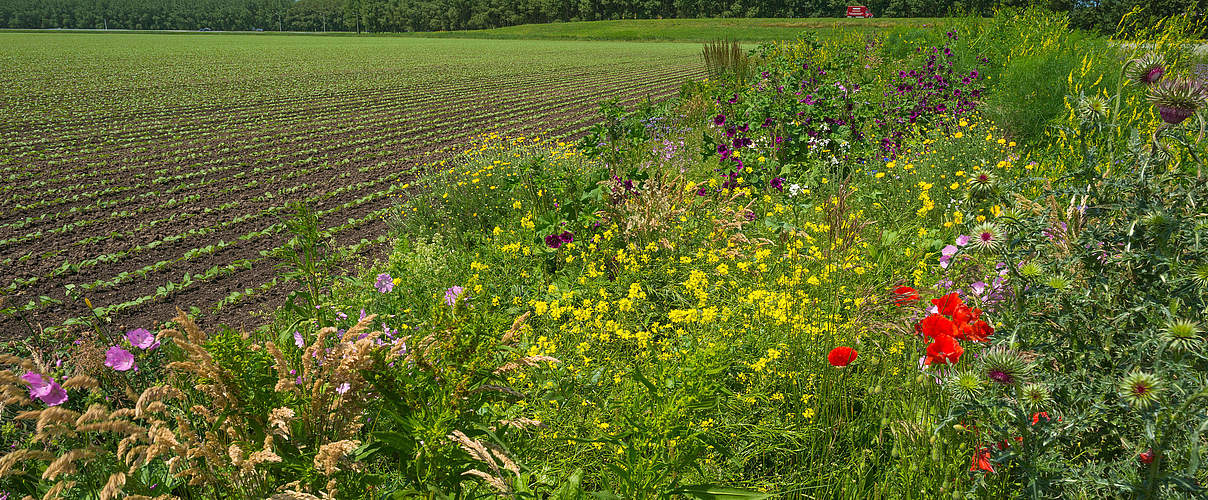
(951,320)
(555,241)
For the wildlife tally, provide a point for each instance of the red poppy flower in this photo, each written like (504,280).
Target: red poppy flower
(1146,457)
(905,295)
(980,331)
(934,326)
(962,314)
(944,350)
(948,303)
(1038,415)
(981,460)
(841,356)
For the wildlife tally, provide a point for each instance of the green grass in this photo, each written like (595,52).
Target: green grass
(686,30)
(666,30)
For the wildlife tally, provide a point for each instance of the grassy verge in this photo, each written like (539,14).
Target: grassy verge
(665,30)
(686,30)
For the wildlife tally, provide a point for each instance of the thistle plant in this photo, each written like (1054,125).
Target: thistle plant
(1145,70)
(1178,99)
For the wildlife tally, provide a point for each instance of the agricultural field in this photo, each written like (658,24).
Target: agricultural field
(955,261)
(144,172)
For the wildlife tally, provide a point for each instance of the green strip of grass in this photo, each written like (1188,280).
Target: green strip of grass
(687,30)
(667,30)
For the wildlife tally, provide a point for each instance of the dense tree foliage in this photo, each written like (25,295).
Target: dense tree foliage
(435,15)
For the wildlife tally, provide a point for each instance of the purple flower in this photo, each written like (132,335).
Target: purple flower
(719,120)
(384,283)
(553,241)
(567,236)
(119,359)
(777,183)
(49,391)
(298,340)
(452,294)
(342,388)
(142,339)
(962,240)
(949,251)
(978,287)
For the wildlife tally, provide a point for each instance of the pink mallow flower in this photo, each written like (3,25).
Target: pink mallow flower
(142,339)
(119,359)
(384,283)
(452,294)
(49,391)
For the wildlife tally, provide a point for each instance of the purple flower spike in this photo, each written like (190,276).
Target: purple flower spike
(567,236)
(384,283)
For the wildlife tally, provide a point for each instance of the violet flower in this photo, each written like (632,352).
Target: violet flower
(48,391)
(384,283)
(142,339)
(120,359)
(452,294)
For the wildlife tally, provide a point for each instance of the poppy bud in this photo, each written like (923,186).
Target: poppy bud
(1146,457)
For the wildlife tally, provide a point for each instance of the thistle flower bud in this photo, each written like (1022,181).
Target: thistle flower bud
(986,237)
(981,185)
(1036,396)
(1182,335)
(1178,99)
(1145,70)
(1005,366)
(964,385)
(1140,389)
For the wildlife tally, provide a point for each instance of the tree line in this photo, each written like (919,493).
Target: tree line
(444,15)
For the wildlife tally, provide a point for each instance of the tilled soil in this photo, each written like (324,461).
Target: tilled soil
(112,187)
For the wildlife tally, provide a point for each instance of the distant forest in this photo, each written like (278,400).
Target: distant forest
(438,15)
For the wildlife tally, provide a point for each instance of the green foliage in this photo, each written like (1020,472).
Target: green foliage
(306,259)
(1029,93)
(253,370)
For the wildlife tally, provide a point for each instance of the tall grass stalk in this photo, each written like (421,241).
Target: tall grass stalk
(726,57)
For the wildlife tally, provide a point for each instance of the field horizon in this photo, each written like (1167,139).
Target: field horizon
(633,30)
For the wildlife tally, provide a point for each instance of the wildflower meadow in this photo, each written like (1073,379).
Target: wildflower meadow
(966,259)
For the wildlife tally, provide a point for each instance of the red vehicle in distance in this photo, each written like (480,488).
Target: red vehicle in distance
(858,11)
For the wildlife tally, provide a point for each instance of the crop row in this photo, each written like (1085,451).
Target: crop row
(361,138)
(314,118)
(204,250)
